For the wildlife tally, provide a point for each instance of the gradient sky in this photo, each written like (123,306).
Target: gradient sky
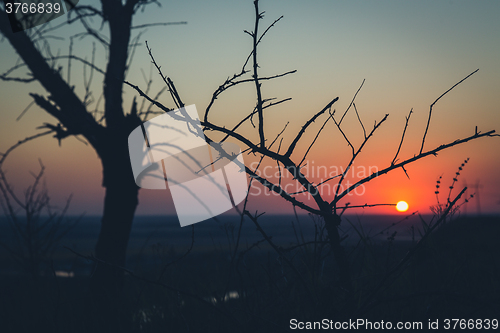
(409,53)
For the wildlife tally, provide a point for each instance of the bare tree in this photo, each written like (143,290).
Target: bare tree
(290,160)
(107,134)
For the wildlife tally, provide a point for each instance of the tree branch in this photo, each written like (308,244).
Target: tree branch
(402,137)
(72,113)
(309,122)
(258,16)
(413,159)
(377,125)
(432,105)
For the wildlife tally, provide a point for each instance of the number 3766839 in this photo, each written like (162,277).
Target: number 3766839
(32,8)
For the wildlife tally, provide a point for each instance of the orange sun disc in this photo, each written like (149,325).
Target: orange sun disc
(402,206)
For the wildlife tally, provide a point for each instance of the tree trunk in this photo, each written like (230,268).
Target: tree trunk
(120,203)
(331,223)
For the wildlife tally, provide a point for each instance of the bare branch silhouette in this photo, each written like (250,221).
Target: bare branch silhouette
(402,137)
(355,154)
(432,152)
(306,125)
(286,164)
(352,102)
(437,99)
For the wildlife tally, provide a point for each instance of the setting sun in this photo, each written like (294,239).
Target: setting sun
(402,206)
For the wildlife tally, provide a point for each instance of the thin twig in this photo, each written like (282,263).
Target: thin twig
(148,25)
(357,114)
(343,134)
(173,92)
(352,102)
(432,105)
(349,165)
(402,137)
(314,141)
(258,16)
(306,125)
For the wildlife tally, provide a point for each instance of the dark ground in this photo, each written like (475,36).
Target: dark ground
(456,274)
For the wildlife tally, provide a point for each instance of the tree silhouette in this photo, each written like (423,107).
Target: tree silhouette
(107,135)
(290,160)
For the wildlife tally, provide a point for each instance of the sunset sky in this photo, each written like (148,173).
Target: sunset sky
(408,53)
